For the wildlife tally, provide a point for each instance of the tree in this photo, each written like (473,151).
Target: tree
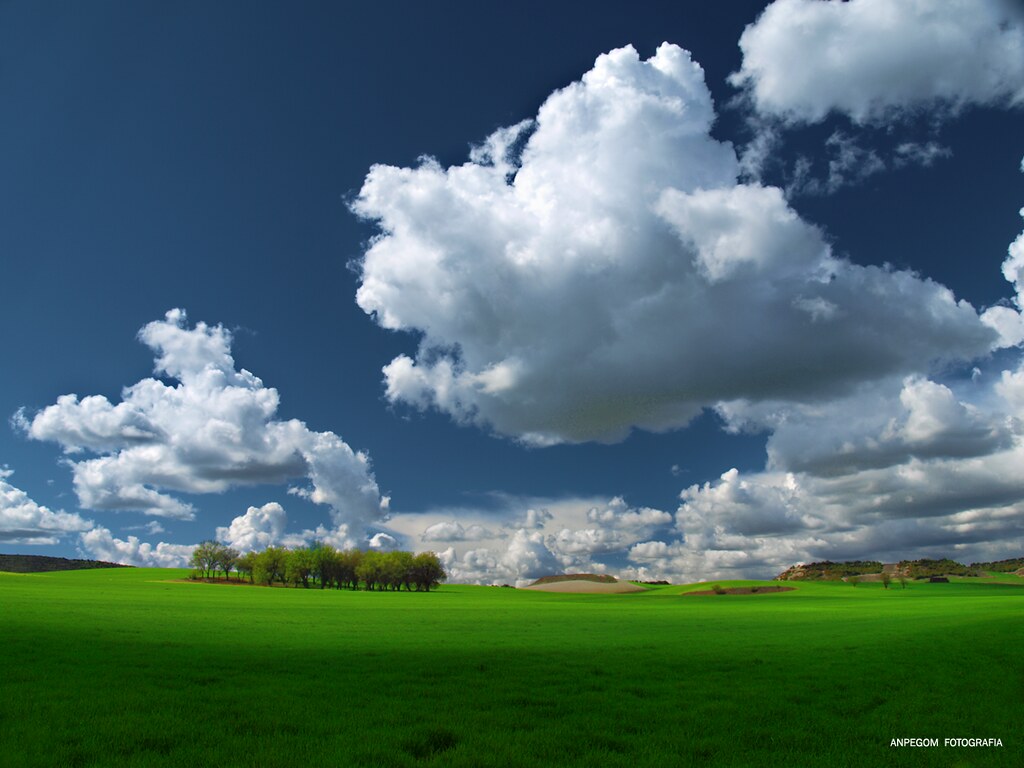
(427,571)
(370,569)
(348,566)
(299,566)
(227,558)
(270,565)
(400,569)
(886,580)
(853,581)
(245,564)
(325,564)
(204,557)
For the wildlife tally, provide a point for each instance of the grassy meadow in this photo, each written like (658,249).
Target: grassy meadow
(127,667)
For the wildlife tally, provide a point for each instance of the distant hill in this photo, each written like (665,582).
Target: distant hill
(913,569)
(1000,566)
(42,563)
(923,569)
(829,571)
(601,578)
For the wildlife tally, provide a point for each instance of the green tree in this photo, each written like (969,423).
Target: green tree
(245,564)
(204,557)
(325,564)
(400,569)
(347,568)
(886,580)
(299,566)
(370,569)
(270,565)
(427,571)
(227,559)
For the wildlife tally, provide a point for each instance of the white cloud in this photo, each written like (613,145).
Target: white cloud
(100,544)
(213,429)
(534,518)
(909,469)
(1006,320)
(848,163)
(916,153)
(23,521)
(896,468)
(257,529)
(623,279)
(452,530)
(384,541)
(875,59)
(153,527)
(540,537)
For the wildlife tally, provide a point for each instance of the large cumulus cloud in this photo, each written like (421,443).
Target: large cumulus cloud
(213,428)
(874,59)
(599,269)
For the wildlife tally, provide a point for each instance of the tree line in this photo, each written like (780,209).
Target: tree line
(321,565)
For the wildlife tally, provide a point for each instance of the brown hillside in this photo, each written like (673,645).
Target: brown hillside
(600,578)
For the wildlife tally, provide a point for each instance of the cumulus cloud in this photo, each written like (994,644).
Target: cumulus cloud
(383,541)
(899,467)
(452,530)
(876,59)
(23,521)
(900,470)
(257,529)
(614,275)
(1008,321)
(212,429)
(100,544)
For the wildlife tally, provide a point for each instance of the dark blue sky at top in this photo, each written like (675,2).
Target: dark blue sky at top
(199,155)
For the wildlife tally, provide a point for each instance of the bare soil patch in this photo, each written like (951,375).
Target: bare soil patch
(740,591)
(581,586)
(599,577)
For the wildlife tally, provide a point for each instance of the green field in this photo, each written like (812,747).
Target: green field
(126,668)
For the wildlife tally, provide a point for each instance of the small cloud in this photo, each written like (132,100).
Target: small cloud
(23,521)
(913,153)
(804,59)
(454,531)
(383,541)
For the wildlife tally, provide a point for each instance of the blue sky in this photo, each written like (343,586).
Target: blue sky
(532,290)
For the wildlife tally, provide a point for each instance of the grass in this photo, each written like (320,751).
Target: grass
(126,668)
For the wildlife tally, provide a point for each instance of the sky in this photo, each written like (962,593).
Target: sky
(671,291)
